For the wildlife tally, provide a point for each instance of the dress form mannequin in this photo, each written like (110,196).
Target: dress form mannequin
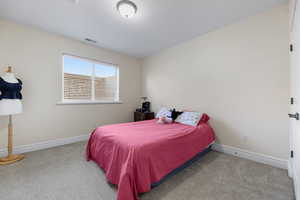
(10,104)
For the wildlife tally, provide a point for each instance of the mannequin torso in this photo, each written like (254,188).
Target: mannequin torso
(10,106)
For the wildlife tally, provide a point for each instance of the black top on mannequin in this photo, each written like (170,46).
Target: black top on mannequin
(10,90)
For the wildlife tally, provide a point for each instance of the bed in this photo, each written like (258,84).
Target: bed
(138,155)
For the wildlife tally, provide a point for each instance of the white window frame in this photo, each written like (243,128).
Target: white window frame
(93,100)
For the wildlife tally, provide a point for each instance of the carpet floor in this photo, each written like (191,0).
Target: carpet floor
(63,174)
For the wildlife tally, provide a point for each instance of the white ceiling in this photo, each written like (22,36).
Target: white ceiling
(158,24)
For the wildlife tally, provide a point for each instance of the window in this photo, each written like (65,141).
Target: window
(87,80)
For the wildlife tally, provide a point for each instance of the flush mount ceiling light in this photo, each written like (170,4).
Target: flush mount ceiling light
(126,8)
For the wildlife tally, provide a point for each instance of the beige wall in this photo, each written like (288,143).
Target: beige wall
(36,57)
(237,74)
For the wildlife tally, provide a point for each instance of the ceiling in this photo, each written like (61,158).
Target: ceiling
(158,24)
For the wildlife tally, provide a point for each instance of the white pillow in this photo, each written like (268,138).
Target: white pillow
(163,112)
(189,118)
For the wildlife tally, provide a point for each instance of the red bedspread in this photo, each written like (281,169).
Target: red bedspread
(134,155)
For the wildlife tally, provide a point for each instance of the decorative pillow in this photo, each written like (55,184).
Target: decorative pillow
(164,120)
(175,114)
(204,119)
(163,112)
(189,118)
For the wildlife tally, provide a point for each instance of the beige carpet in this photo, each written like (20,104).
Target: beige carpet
(63,174)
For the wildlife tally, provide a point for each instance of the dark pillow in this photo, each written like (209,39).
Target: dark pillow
(175,114)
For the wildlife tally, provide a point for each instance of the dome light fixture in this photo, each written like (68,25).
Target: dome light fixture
(126,8)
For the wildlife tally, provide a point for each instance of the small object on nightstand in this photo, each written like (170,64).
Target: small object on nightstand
(141,116)
(145,105)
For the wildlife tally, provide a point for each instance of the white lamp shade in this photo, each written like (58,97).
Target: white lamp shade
(10,106)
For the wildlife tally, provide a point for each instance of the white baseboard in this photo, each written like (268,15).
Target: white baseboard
(45,145)
(257,157)
(269,160)
(290,169)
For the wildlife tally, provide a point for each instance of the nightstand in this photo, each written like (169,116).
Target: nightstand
(140,116)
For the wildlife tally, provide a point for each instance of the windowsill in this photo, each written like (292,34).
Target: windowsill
(87,102)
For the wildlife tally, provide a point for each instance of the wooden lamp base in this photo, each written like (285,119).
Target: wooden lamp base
(10,159)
